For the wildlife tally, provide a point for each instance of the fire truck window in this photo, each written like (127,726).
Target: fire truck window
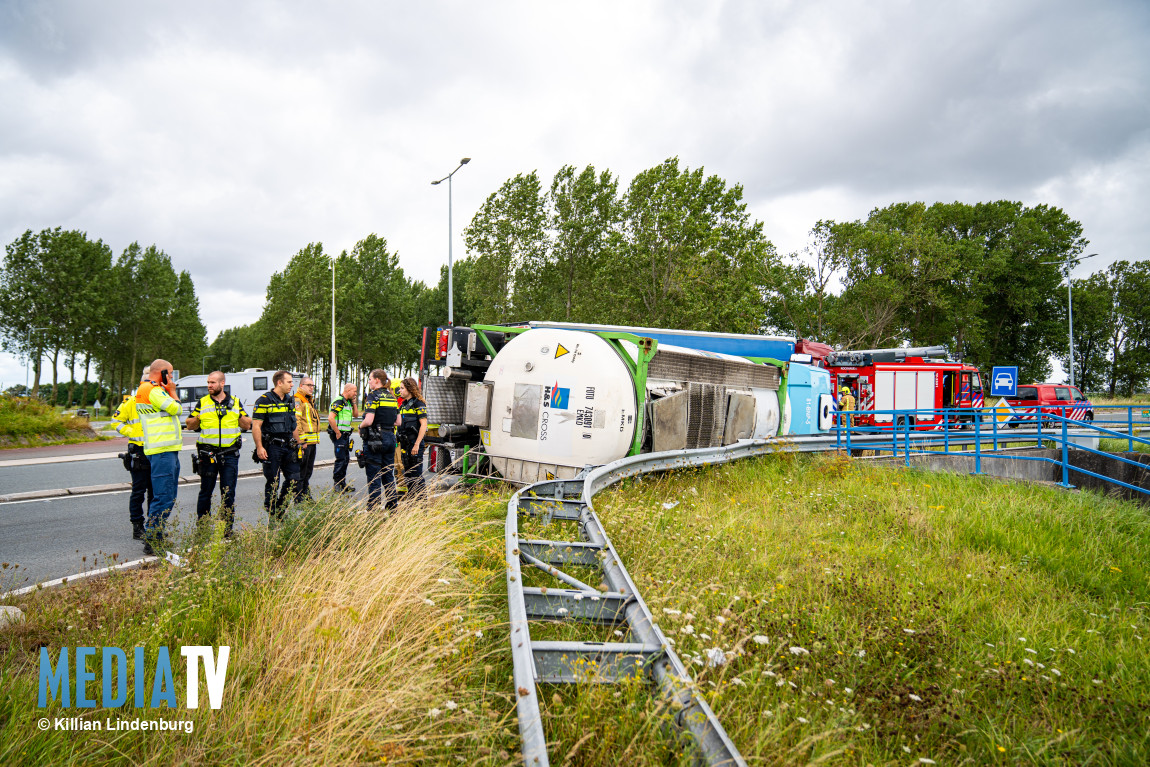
(977,382)
(948,389)
(1029,393)
(1062,393)
(1078,395)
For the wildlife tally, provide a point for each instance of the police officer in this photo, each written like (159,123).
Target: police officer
(219,417)
(128,424)
(158,408)
(306,431)
(380,417)
(339,429)
(412,430)
(273,423)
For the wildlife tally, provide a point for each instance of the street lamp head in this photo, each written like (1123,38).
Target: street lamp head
(465,160)
(433,183)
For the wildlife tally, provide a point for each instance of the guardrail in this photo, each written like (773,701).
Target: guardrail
(937,431)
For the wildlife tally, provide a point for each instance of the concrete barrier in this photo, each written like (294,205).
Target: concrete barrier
(998,465)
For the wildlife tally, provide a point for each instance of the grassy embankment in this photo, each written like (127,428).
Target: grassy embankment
(27,422)
(865,615)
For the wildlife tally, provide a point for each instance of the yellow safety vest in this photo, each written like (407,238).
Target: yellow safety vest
(159,419)
(217,430)
(129,420)
(308,420)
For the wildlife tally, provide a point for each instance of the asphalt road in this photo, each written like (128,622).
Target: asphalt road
(55,537)
(100,471)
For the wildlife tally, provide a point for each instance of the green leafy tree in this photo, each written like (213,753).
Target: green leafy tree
(691,255)
(1093,324)
(509,245)
(975,278)
(1130,329)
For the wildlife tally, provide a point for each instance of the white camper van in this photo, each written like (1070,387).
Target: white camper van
(244,385)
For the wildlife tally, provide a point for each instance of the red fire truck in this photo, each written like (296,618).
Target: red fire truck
(919,379)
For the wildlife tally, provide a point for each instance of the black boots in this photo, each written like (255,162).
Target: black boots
(138,531)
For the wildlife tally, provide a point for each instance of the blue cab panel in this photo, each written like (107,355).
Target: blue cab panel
(737,344)
(806,386)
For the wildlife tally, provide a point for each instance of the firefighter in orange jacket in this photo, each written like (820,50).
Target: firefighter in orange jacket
(306,431)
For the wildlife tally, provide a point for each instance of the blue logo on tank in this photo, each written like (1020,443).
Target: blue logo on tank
(555,397)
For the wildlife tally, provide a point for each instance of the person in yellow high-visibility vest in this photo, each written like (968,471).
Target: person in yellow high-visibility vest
(158,407)
(306,430)
(219,418)
(127,422)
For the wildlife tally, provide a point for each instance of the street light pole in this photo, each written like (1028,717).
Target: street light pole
(450,274)
(204,363)
(334,382)
(1067,265)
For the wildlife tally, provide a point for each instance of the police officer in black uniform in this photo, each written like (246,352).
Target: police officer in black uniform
(380,417)
(273,421)
(412,431)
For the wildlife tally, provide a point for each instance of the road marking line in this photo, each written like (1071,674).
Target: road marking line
(66,458)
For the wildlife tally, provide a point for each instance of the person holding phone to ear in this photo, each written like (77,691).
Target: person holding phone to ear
(158,408)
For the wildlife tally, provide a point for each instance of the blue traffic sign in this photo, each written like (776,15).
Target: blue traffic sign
(1004,382)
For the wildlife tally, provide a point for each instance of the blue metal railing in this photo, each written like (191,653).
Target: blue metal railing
(941,431)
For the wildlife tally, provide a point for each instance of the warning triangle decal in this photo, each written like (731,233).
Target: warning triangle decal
(560,351)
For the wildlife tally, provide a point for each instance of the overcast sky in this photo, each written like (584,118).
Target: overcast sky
(233,134)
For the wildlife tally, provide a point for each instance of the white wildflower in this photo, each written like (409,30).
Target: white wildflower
(704,636)
(862,653)
(915,698)
(429,602)
(848,691)
(618,633)
(670,506)
(799,651)
(1071,651)
(804,721)
(688,629)
(739,682)
(1096,681)
(451,705)
(904,748)
(577,597)
(1056,672)
(908,631)
(434,712)
(478,634)
(760,639)
(445,582)
(716,657)
(720,620)
(562,611)
(1032,651)
(670,611)
(924,760)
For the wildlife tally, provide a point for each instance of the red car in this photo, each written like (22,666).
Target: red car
(1051,399)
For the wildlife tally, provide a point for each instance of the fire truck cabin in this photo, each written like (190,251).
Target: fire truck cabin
(913,380)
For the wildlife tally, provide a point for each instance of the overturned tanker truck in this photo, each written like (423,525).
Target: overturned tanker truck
(542,400)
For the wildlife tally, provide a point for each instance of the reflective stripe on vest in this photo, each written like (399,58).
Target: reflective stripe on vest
(308,418)
(343,417)
(216,431)
(161,431)
(129,427)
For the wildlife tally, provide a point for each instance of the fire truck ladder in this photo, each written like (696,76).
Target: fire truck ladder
(648,653)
